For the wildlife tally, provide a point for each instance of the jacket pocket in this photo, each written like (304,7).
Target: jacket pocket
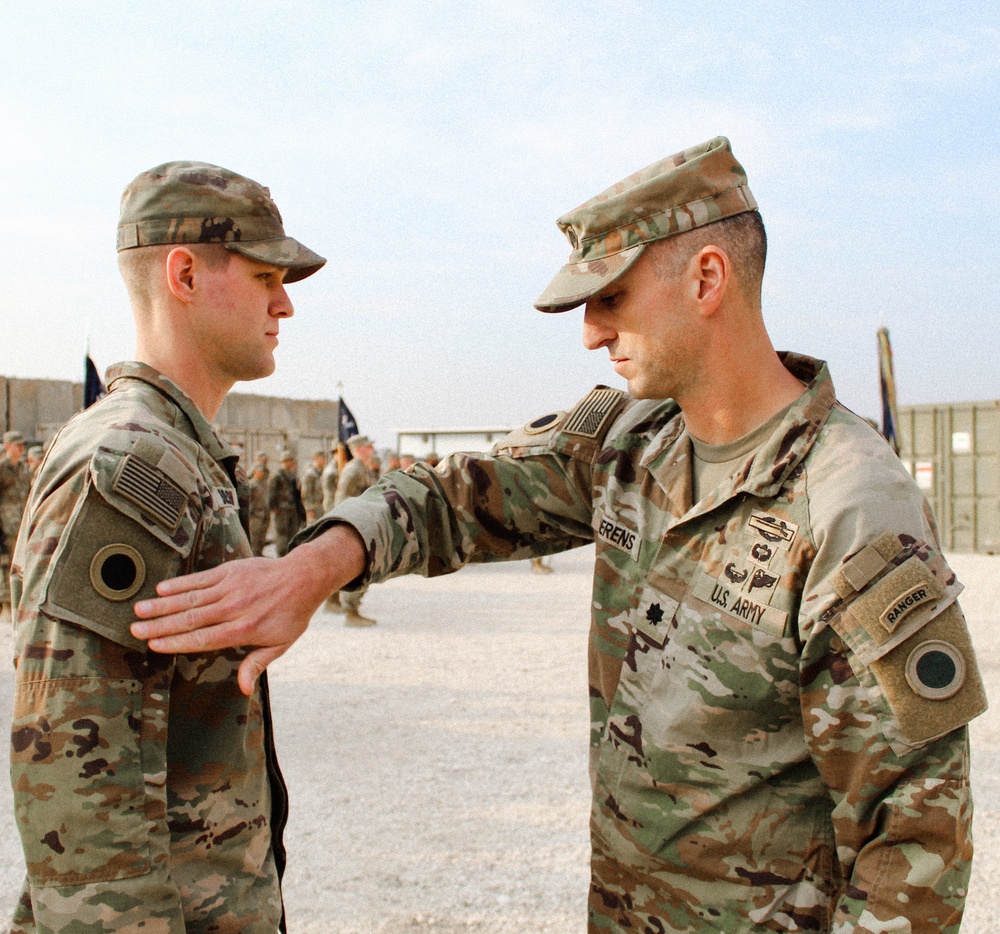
(76,769)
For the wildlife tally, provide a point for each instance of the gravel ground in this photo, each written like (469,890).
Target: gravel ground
(437,762)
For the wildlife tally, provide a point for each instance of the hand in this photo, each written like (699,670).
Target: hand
(261,602)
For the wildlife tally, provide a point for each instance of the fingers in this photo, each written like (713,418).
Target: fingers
(252,667)
(190,582)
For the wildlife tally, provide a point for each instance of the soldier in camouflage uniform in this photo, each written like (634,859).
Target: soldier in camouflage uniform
(146,787)
(357,476)
(15,481)
(35,455)
(328,481)
(284,499)
(780,673)
(312,487)
(260,513)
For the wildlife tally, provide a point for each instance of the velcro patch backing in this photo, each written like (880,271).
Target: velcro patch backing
(85,584)
(891,610)
(930,703)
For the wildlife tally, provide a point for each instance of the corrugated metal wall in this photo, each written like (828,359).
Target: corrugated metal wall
(953,452)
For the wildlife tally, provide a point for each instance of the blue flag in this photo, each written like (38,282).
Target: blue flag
(347,427)
(93,388)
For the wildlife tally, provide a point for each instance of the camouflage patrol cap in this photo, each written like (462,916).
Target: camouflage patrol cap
(609,232)
(13,437)
(358,441)
(194,202)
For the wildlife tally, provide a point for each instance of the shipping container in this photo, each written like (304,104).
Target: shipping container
(953,453)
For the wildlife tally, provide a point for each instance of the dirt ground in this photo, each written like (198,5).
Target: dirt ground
(437,762)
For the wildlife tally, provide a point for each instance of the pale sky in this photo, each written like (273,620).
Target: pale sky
(426,148)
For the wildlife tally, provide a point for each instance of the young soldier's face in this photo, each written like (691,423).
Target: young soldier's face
(238,331)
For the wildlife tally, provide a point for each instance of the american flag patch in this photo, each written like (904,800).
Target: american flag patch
(151,490)
(592,411)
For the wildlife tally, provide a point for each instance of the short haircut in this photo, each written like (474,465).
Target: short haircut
(138,266)
(742,236)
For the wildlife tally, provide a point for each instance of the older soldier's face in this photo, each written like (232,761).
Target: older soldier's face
(239,331)
(648,326)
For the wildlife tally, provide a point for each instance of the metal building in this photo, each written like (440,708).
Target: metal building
(953,452)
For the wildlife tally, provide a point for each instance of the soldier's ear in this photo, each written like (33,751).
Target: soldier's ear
(180,273)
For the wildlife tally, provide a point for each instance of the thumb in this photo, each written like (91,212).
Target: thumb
(253,666)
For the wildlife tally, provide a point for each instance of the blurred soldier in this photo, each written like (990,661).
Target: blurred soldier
(433,460)
(146,789)
(261,461)
(15,481)
(357,476)
(780,674)
(392,462)
(285,502)
(406,460)
(260,512)
(312,487)
(35,455)
(328,481)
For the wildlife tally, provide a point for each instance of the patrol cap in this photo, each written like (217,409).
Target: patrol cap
(358,440)
(286,455)
(194,202)
(609,232)
(36,451)
(13,437)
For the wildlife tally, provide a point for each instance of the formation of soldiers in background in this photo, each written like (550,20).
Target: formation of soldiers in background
(280,502)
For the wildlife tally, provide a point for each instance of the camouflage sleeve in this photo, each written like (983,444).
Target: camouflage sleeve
(521,502)
(889,680)
(88,740)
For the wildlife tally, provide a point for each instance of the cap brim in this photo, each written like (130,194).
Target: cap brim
(284,252)
(576,282)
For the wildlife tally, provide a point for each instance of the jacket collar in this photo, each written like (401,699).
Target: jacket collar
(668,457)
(201,430)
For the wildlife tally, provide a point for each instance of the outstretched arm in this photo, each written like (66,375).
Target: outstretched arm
(259,602)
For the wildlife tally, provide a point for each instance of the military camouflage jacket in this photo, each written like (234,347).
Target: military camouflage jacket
(146,789)
(258,508)
(15,481)
(780,674)
(331,473)
(312,491)
(285,500)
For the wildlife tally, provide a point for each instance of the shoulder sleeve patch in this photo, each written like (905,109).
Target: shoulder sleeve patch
(104,562)
(908,629)
(134,525)
(931,681)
